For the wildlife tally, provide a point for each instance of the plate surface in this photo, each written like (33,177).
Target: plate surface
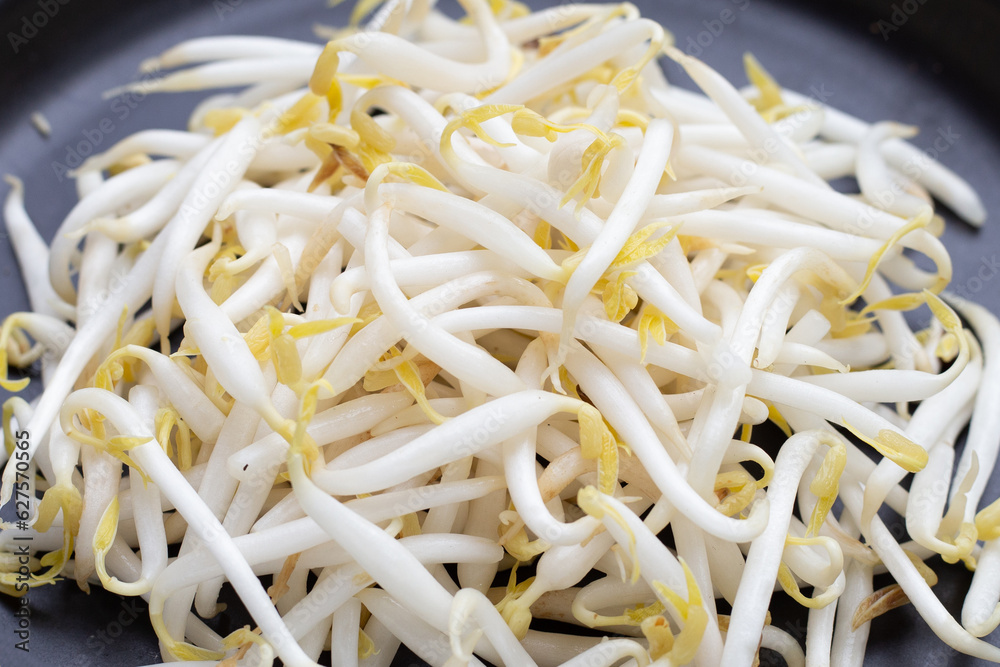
(931,64)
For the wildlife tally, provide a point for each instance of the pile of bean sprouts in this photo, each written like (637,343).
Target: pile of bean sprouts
(457,334)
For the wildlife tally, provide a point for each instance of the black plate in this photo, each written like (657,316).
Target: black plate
(925,62)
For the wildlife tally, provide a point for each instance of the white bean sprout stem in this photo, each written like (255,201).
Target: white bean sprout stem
(465,334)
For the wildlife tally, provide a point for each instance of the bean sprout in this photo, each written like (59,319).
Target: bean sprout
(452,327)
